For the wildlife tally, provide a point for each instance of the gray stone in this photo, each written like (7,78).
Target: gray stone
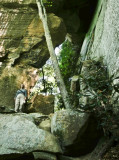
(45,156)
(42,121)
(18,134)
(77,132)
(67,123)
(106,39)
(45,125)
(107,35)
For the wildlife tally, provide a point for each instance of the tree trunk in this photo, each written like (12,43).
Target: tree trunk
(60,82)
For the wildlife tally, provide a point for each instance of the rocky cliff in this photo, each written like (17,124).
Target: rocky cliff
(101,42)
(37,136)
(23,47)
(102,39)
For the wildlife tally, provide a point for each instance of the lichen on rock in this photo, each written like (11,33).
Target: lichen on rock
(77,132)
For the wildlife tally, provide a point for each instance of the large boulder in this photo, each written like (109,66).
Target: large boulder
(77,132)
(19,135)
(42,104)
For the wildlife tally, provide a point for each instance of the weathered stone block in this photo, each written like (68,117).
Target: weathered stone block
(42,104)
(20,135)
(77,132)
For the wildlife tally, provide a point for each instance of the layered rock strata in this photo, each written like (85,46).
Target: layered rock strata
(23,47)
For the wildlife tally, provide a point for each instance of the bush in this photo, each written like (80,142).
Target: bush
(97,89)
(67,61)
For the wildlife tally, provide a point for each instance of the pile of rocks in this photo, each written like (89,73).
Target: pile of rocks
(61,135)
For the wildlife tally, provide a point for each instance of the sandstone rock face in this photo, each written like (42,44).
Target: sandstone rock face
(20,135)
(42,104)
(23,35)
(10,81)
(77,132)
(23,43)
(23,47)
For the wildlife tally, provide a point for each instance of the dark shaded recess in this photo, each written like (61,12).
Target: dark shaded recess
(86,14)
(4,57)
(38,61)
(85,10)
(37,64)
(28,156)
(32,55)
(88,139)
(12,5)
(34,6)
(14,42)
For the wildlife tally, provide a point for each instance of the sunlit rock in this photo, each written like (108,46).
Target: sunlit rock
(19,134)
(23,47)
(45,125)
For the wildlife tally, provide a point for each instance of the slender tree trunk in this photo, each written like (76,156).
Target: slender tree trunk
(60,82)
(44,84)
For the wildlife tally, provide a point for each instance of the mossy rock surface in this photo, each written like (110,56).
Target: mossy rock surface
(77,132)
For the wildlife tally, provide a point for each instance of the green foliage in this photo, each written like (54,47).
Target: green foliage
(58,102)
(67,61)
(97,90)
(46,84)
(48,88)
(48,3)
